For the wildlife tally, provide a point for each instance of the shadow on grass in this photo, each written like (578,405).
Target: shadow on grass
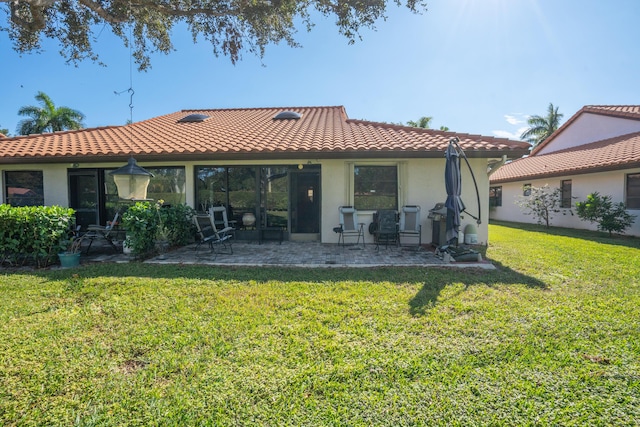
(430,280)
(438,279)
(592,236)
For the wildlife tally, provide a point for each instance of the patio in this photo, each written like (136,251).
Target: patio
(291,254)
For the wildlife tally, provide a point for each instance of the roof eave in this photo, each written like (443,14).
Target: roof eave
(556,174)
(285,155)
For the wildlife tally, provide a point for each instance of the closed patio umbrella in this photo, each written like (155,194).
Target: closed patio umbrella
(453,184)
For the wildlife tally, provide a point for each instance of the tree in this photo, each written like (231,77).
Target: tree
(48,118)
(600,209)
(5,132)
(423,122)
(542,203)
(230,25)
(540,128)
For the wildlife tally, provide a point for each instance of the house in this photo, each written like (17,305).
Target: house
(289,168)
(596,150)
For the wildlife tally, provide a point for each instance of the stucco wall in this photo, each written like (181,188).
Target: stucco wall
(606,183)
(421,183)
(590,128)
(54,182)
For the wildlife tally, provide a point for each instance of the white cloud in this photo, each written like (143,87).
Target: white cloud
(515,118)
(504,134)
(510,135)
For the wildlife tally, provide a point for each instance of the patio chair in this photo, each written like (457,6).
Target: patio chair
(386,229)
(218,215)
(349,225)
(207,232)
(410,223)
(107,232)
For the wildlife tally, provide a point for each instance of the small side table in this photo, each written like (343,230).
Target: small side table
(272,233)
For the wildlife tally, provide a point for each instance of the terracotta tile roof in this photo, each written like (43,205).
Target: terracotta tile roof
(609,154)
(622,111)
(249,133)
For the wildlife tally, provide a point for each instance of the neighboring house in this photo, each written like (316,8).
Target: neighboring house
(598,149)
(289,167)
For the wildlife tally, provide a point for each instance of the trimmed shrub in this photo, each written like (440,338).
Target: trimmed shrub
(33,234)
(609,216)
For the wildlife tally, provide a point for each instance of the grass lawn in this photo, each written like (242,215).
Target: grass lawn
(552,337)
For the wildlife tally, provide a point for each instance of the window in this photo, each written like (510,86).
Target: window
(24,188)
(244,189)
(565,193)
(168,184)
(526,190)
(633,191)
(495,196)
(375,187)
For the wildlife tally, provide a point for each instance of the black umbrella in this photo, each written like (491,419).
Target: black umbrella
(453,183)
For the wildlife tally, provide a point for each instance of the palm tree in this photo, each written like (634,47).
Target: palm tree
(48,118)
(540,128)
(423,122)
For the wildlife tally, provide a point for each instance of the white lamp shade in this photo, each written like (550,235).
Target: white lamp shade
(132,181)
(132,187)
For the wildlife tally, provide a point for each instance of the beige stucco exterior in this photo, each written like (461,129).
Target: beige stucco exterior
(420,182)
(588,128)
(606,183)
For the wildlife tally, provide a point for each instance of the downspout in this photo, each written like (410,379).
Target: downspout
(495,166)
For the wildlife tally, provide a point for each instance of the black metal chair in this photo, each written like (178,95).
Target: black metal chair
(110,233)
(207,232)
(386,230)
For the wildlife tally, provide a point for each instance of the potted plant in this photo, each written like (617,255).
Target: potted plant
(162,239)
(70,254)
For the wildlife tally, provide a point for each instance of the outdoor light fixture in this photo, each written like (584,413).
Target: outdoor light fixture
(132,181)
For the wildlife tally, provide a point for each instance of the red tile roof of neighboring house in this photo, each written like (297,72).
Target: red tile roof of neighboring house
(622,111)
(609,154)
(325,132)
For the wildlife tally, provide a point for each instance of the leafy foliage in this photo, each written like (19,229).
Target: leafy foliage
(33,234)
(609,216)
(48,118)
(540,128)
(148,222)
(178,220)
(231,26)
(423,122)
(542,203)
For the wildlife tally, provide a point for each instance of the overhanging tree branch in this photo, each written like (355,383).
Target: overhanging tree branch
(231,26)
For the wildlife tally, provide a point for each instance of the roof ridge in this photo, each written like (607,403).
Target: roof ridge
(603,155)
(611,105)
(186,110)
(600,142)
(429,130)
(62,132)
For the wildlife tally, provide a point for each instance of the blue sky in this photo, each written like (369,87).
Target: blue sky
(475,66)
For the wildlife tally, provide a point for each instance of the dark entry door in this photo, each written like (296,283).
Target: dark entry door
(84,196)
(305,202)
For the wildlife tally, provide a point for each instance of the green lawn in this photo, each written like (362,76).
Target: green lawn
(552,337)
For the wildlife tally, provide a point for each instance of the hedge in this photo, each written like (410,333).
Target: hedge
(33,234)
